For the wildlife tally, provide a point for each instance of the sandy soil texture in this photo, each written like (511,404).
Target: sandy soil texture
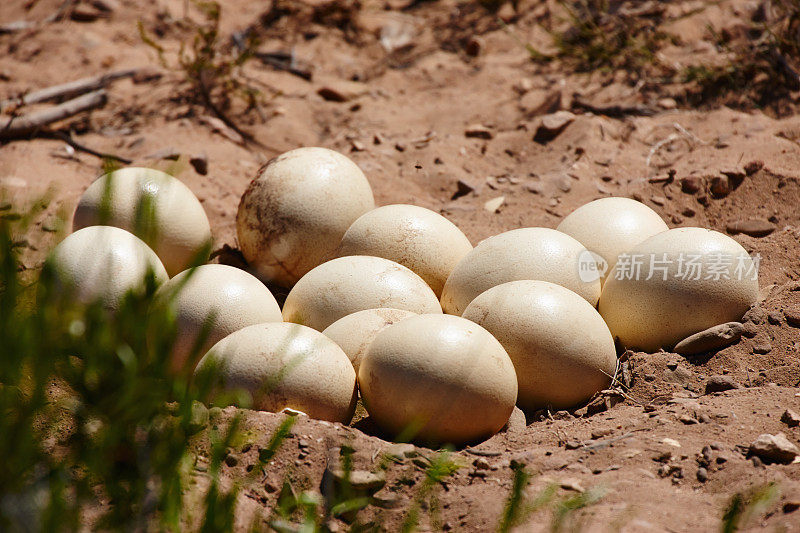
(441,105)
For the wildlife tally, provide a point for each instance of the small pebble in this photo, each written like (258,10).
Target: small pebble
(478,131)
(712,339)
(751,227)
(774,448)
(720,384)
(481,464)
(552,125)
(720,186)
(494,205)
(792,316)
(790,418)
(762,348)
(691,184)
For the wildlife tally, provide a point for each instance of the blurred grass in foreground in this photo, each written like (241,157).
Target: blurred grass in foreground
(94,427)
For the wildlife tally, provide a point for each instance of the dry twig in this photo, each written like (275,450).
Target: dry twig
(66,90)
(26,125)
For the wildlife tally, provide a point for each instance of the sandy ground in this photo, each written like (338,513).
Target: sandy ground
(434,93)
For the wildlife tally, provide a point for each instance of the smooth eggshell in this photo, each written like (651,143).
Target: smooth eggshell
(286,365)
(648,314)
(562,350)
(612,226)
(438,378)
(413,236)
(104,263)
(178,230)
(293,215)
(346,285)
(228,297)
(354,333)
(526,253)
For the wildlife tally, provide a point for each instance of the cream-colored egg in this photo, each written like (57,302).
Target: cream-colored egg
(354,333)
(526,253)
(346,285)
(293,216)
(562,350)
(286,366)
(156,207)
(438,378)
(214,301)
(413,236)
(677,283)
(104,263)
(610,227)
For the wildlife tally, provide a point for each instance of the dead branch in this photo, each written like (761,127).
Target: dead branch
(613,111)
(17,25)
(284,61)
(67,90)
(22,25)
(67,138)
(608,442)
(25,125)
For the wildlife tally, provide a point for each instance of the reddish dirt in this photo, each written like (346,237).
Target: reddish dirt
(406,125)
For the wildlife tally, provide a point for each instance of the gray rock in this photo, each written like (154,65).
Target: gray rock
(342,90)
(691,184)
(706,452)
(762,348)
(494,205)
(679,375)
(360,480)
(198,417)
(387,499)
(712,339)
(481,464)
(401,451)
(753,227)
(600,433)
(753,166)
(755,314)
(516,422)
(720,384)
(792,316)
(478,131)
(720,186)
(535,187)
(552,125)
(790,418)
(464,187)
(749,330)
(702,475)
(774,449)
(564,183)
